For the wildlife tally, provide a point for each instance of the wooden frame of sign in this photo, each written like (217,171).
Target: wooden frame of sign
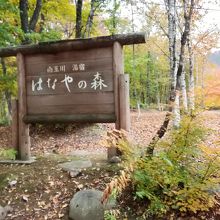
(78,80)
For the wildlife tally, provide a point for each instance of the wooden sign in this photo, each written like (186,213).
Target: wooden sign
(79,80)
(71,86)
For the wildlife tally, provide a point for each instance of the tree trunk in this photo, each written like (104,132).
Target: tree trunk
(184,93)
(176,110)
(171,10)
(184,38)
(148,80)
(174,94)
(89,22)
(35,16)
(25,26)
(191,78)
(79,5)
(114,17)
(158,92)
(172,41)
(23,6)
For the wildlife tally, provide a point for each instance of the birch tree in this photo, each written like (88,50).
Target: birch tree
(188,8)
(184,92)
(191,77)
(172,35)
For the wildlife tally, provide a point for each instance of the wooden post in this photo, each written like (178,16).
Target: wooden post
(24,138)
(14,125)
(124,104)
(118,68)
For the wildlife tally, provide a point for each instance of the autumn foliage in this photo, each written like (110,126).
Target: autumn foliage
(212,89)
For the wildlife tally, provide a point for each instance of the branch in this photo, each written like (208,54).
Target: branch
(202,38)
(159,24)
(35,15)
(161,49)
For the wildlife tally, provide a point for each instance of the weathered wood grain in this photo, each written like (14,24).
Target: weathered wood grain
(24,138)
(74,55)
(14,125)
(70,118)
(76,44)
(40,68)
(71,109)
(124,102)
(118,68)
(71,99)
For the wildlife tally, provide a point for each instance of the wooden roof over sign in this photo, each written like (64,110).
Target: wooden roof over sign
(74,44)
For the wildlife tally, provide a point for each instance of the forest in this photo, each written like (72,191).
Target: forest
(167,164)
(148,66)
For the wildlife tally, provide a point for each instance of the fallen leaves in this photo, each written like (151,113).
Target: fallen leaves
(42,191)
(25,198)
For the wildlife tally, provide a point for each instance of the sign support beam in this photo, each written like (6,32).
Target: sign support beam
(24,138)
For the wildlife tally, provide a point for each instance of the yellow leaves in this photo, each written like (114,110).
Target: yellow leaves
(209,151)
(194,199)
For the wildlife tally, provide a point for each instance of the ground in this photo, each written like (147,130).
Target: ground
(43,191)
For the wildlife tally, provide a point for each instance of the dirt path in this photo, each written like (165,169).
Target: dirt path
(89,136)
(65,139)
(212,122)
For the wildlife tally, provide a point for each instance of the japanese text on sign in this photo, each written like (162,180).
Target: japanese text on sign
(97,83)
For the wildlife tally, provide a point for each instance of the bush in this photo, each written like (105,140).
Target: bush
(8,154)
(182,176)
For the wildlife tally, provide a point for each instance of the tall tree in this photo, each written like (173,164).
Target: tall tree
(188,6)
(79,5)
(184,92)
(29,25)
(90,18)
(191,76)
(94,6)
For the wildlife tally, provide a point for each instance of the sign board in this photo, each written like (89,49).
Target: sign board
(74,83)
(80,80)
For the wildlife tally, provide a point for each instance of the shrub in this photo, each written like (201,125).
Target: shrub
(182,175)
(8,154)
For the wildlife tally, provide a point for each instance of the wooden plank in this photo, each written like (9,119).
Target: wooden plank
(76,44)
(24,138)
(90,55)
(124,102)
(14,125)
(104,118)
(61,87)
(71,99)
(42,68)
(118,68)
(72,109)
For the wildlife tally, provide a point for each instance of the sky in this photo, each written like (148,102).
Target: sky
(210,21)
(213,16)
